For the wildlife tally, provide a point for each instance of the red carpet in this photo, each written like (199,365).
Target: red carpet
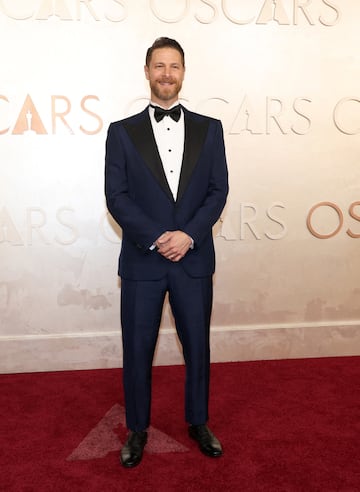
(289,425)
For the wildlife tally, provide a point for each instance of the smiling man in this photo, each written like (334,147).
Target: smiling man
(166,184)
(165,72)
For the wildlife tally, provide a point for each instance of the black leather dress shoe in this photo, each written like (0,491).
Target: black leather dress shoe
(132,451)
(206,440)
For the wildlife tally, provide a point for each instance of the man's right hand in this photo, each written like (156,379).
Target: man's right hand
(173,245)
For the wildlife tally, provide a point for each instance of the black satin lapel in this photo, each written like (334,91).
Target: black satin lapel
(142,135)
(195,133)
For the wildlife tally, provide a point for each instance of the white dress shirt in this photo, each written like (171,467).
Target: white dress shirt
(169,137)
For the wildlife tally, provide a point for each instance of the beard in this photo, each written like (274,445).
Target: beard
(165,92)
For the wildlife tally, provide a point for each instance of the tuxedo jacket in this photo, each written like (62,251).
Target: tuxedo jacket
(139,198)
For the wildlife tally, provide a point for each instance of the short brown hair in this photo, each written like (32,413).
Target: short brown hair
(164,42)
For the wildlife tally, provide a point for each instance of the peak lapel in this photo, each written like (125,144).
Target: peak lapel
(142,135)
(195,133)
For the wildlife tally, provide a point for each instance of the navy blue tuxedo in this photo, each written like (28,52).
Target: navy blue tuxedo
(139,199)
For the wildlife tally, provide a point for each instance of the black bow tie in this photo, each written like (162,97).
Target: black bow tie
(174,113)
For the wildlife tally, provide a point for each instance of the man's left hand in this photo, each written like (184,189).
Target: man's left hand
(173,245)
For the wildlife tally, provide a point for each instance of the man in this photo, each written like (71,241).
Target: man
(166,185)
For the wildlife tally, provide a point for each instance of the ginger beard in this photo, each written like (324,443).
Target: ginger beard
(165,89)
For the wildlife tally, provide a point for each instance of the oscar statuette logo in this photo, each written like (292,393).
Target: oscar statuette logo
(29,129)
(273,10)
(60,111)
(29,121)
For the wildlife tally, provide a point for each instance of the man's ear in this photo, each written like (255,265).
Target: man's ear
(146,70)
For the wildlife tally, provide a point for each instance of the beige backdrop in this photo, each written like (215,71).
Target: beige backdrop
(283,76)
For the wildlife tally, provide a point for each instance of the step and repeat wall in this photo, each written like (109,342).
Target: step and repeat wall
(283,77)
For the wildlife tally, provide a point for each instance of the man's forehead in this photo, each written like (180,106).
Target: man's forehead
(166,54)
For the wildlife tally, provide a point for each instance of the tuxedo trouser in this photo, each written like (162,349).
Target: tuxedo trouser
(141,309)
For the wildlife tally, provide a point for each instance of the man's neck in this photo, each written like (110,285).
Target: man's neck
(162,105)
